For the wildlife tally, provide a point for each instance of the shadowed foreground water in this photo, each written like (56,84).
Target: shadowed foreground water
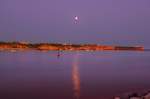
(72,75)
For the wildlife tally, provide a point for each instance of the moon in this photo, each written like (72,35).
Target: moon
(76,18)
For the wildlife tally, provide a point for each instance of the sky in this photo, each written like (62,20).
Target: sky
(116,22)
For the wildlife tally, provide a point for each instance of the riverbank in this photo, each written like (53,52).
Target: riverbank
(68,47)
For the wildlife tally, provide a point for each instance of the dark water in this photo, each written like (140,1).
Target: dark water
(72,75)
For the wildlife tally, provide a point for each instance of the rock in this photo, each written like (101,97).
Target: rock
(147,96)
(135,98)
(117,98)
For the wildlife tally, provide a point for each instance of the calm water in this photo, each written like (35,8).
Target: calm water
(72,75)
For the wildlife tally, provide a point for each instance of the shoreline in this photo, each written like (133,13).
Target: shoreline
(65,47)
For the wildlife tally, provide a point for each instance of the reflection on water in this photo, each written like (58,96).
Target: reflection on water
(59,75)
(76,76)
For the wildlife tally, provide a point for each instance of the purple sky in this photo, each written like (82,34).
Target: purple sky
(100,21)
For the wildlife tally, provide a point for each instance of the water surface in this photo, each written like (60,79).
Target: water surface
(72,75)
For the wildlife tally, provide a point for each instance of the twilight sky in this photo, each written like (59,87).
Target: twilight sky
(124,22)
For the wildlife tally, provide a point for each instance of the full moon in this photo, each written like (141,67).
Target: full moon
(76,18)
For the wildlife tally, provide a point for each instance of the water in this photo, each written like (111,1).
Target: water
(72,75)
